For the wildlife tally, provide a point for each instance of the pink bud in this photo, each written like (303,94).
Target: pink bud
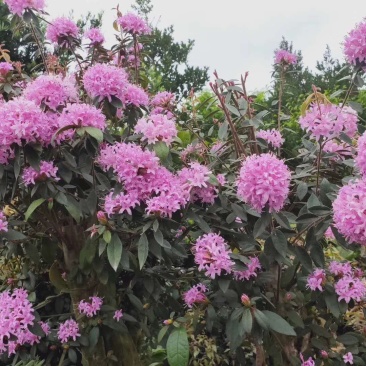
(102,218)
(168,321)
(324,354)
(245,300)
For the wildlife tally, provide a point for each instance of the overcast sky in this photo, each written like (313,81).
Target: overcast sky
(235,36)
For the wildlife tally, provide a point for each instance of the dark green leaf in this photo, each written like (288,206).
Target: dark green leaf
(177,348)
(114,251)
(32,207)
(143,250)
(278,324)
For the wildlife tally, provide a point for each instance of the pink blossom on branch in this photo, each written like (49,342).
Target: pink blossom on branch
(264,180)
(105,81)
(60,30)
(273,137)
(3,222)
(133,24)
(157,128)
(95,36)
(196,295)
(355,45)
(285,57)
(91,308)
(118,314)
(18,6)
(212,254)
(349,212)
(316,280)
(253,267)
(52,91)
(308,362)
(46,171)
(350,288)
(68,329)
(5,67)
(361,154)
(136,96)
(163,99)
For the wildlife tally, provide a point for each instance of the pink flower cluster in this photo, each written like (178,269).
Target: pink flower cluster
(52,91)
(316,280)
(157,128)
(264,180)
(95,36)
(118,314)
(253,267)
(164,100)
(195,180)
(91,308)
(340,269)
(196,295)
(329,120)
(349,212)
(68,329)
(133,24)
(217,148)
(134,95)
(18,6)
(350,288)
(5,67)
(3,222)
(355,45)
(273,137)
(308,362)
(46,171)
(80,115)
(60,30)
(16,316)
(212,254)
(361,154)
(285,57)
(22,121)
(342,150)
(105,81)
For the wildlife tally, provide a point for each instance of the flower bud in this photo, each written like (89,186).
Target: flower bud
(168,321)
(102,218)
(324,354)
(245,300)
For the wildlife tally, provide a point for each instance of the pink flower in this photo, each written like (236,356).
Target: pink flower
(328,121)
(136,96)
(191,149)
(157,128)
(5,67)
(342,150)
(16,316)
(355,45)
(316,280)
(80,115)
(253,267)
(18,6)
(95,36)
(133,24)
(90,309)
(23,122)
(118,314)
(195,295)
(285,57)
(309,362)
(221,179)
(340,269)
(45,327)
(350,288)
(361,154)
(68,329)
(52,91)
(105,81)
(245,300)
(264,180)
(348,358)
(273,137)
(60,30)
(120,203)
(212,254)
(164,100)
(349,212)
(324,354)
(46,171)
(3,222)
(217,148)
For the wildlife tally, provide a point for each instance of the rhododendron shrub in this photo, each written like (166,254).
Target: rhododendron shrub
(129,235)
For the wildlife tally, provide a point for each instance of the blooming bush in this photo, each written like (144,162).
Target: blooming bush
(131,236)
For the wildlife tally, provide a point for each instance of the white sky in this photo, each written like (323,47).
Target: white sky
(235,36)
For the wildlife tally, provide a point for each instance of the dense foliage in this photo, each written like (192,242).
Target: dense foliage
(131,236)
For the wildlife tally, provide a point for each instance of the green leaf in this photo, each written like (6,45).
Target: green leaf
(304,258)
(93,132)
(93,337)
(246,322)
(347,339)
(13,235)
(107,236)
(32,207)
(302,190)
(261,319)
(223,130)
(280,242)
(143,250)
(161,150)
(177,348)
(114,251)
(279,324)
(261,225)
(56,277)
